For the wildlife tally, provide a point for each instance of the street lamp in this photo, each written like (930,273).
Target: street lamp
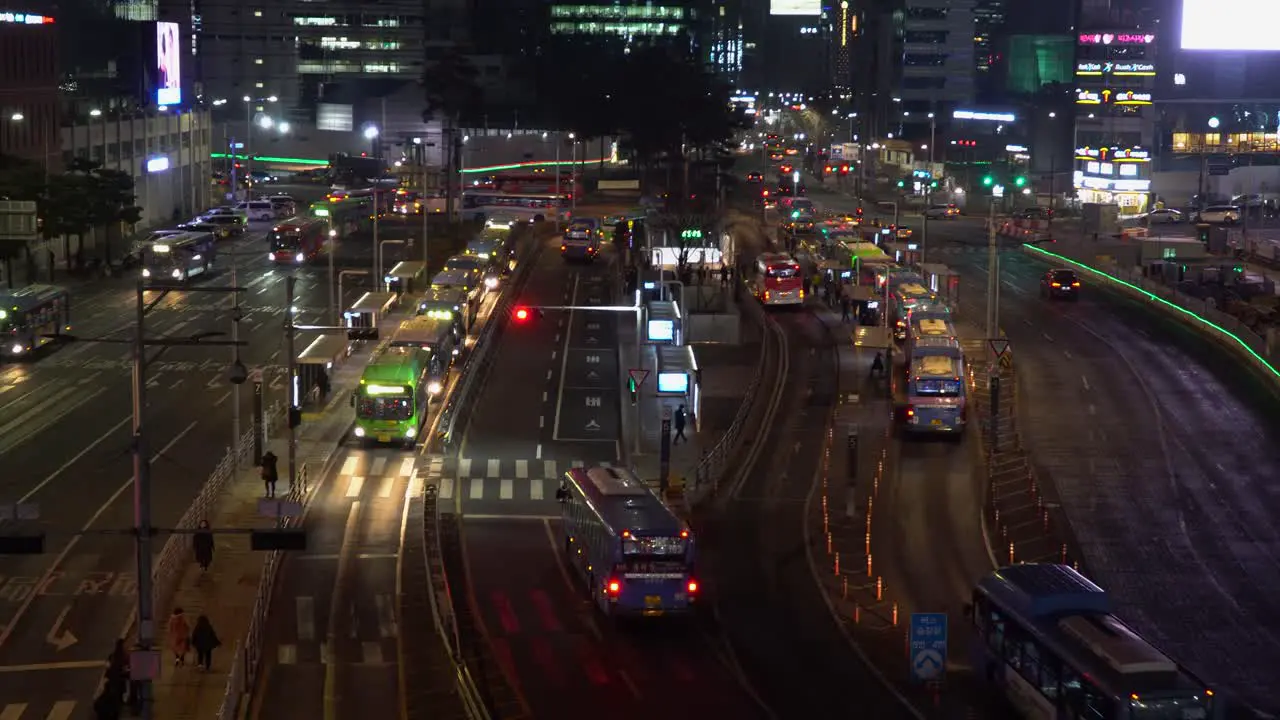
(249,102)
(95,113)
(1214,124)
(17,117)
(370,132)
(573,170)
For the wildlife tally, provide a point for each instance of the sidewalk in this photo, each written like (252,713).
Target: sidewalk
(227,593)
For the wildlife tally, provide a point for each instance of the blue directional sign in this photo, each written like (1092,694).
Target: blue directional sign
(928,646)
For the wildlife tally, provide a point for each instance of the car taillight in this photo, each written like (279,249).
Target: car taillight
(766,296)
(562,248)
(1075,284)
(693,587)
(614,587)
(801,293)
(1055,284)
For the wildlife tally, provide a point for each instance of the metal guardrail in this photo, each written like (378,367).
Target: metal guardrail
(715,461)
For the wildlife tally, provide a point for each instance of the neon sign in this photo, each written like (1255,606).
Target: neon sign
(1131,97)
(21,18)
(1121,155)
(988,116)
(1128,69)
(1090,97)
(1116,39)
(1114,97)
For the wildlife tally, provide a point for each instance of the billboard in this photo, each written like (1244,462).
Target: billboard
(168,64)
(796,7)
(1231,25)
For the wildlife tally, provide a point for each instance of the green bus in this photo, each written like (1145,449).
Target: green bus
(391,401)
(440,338)
(345,215)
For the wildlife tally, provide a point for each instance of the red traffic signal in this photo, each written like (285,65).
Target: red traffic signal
(521,314)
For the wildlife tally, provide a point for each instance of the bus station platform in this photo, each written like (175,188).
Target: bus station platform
(228,591)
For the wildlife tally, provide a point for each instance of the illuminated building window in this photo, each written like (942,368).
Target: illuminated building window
(257,61)
(258,85)
(257,13)
(616,12)
(382,67)
(612,28)
(318,21)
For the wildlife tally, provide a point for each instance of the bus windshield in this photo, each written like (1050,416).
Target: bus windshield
(385,408)
(782,271)
(1184,708)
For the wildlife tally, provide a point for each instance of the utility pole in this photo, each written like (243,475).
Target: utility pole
(993,275)
(333,298)
(235,358)
(142,497)
(377,264)
(294,412)
(425,213)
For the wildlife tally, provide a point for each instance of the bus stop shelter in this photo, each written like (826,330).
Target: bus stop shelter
(313,372)
(944,282)
(406,277)
(363,317)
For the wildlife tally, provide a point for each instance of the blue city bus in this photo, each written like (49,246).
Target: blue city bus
(936,400)
(928,320)
(635,555)
(1046,638)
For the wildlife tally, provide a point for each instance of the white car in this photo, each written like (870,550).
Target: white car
(1225,214)
(942,212)
(1164,215)
(260,210)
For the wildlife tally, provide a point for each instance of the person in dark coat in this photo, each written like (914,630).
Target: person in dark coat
(202,544)
(205,641)
(269,473)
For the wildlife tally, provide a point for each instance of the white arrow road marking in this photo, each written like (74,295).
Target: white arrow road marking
(61,640)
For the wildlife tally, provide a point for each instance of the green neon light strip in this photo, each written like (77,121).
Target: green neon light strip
(1166,303)
(531,164)
(282,160)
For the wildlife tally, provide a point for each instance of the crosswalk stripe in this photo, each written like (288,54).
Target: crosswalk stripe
(61,710)
(349,465)
(387,486)
(477,488)
(549,468)
(446,488)
(464,467)
(306,617)
(522,468)
(506,489)
(415,486)
(535,489)
(494,468)
(355,486)
(406,467)
(379,464)
(436,464)
(13,711)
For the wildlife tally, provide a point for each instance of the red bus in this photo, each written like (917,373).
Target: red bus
(539,181)
(298,240)
(778,280)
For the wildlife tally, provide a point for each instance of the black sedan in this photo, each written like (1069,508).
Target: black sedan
(1060,283)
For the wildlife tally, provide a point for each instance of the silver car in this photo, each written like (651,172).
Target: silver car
(1223,214)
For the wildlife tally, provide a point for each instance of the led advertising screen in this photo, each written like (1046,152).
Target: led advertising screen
(168,64)
(673,382)
(795,7)
(1231,25)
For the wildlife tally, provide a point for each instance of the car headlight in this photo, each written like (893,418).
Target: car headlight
(491,282)
(359,432)
(177,274)
(271,256)
(299,258)
(146,273)
(17,349)
(434,388)
(411,432)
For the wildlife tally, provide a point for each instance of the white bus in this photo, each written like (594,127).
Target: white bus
(531,207)
(777,280)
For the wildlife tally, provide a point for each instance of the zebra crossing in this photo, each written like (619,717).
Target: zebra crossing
(370,638)
(371,476)
(503,479)
(58,710)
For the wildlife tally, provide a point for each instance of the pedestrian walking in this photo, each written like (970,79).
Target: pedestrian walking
(205,641)
(202,544)
(844,308)
(179,637)
(877,365)
(116,677)
(680,418)
(724,274)
(269,473)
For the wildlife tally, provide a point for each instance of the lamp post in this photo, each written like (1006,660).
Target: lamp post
(573,173)
(249,103)
(371,134)
(1214,123)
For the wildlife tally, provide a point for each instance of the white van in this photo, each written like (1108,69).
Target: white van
(257,210)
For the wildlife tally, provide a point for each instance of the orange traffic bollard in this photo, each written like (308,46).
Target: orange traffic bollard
(879,589)
(868,564)
(895,614)
(1010,553)
(837,564)
(857,613)
(844,587)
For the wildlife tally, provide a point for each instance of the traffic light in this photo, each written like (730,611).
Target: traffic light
(1020,181)
(522,314)
(933,184)
(633,389)
(988,181)
(902,183)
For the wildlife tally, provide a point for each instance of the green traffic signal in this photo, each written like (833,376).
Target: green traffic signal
(988,181)
(1020,181)
(901,183)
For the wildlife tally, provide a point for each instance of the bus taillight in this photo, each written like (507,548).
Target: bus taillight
(693,587)
(614,587)
(911,412)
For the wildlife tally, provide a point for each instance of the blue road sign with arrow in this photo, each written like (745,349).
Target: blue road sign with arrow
(928,646)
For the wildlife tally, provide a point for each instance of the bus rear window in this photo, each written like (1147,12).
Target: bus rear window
(782,271)
(652,565)
(661,546)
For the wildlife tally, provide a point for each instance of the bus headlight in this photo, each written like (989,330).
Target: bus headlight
(146,272)
(17,349)
(491,283)
(434,387)
(299,258)
(177,274)
(359,431)
(411,432)
(271,257)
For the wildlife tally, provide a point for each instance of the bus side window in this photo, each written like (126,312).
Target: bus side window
(1072,691)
